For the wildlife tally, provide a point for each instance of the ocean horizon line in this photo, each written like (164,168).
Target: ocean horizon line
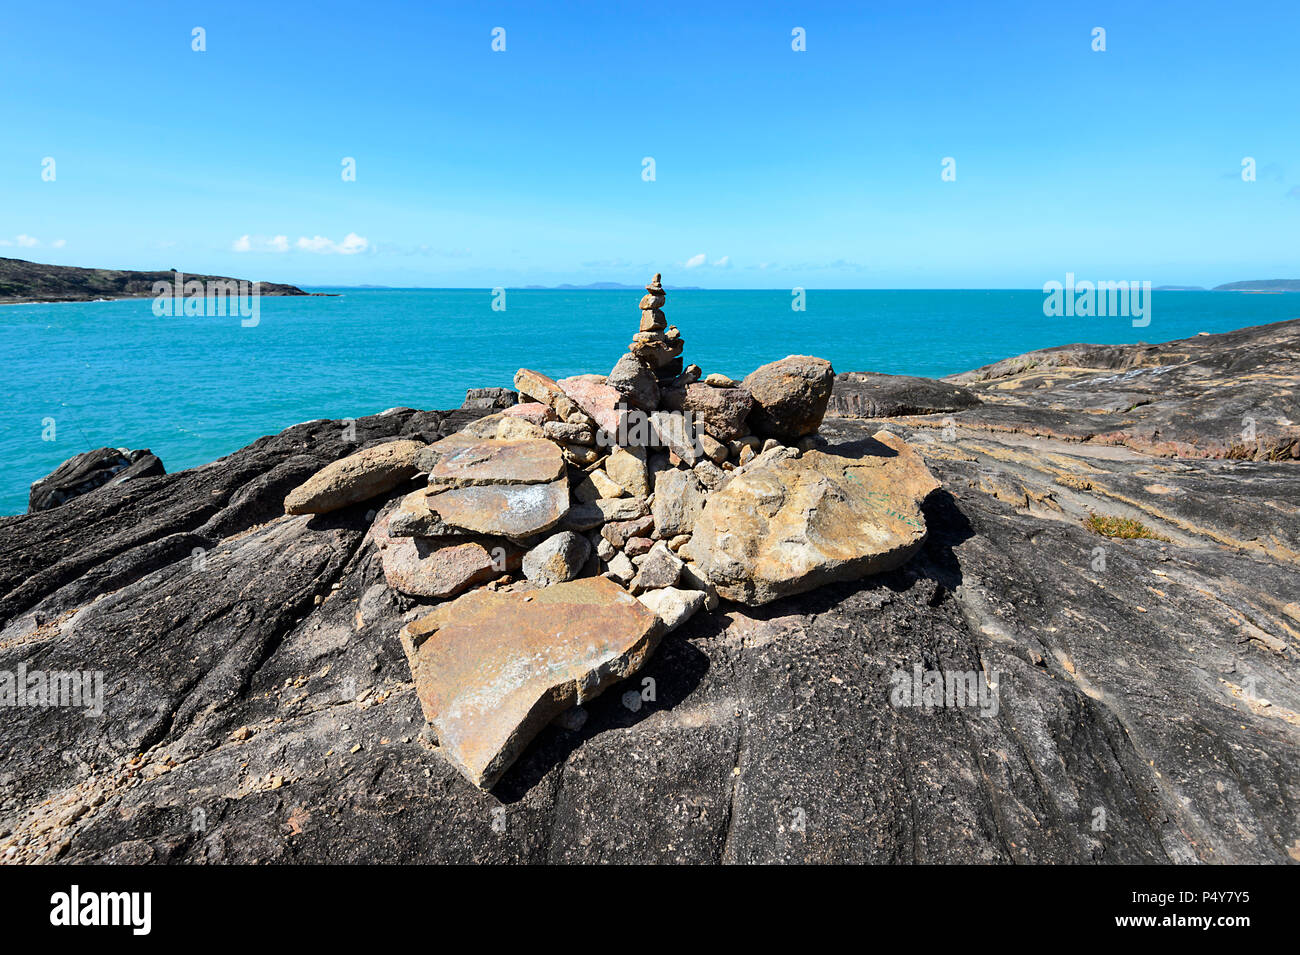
(785,289)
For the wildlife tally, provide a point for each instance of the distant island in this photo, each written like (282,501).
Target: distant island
(23,281)
(608,286)
(1254,285)
(1261,285)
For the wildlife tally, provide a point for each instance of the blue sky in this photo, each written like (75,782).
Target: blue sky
(773,168)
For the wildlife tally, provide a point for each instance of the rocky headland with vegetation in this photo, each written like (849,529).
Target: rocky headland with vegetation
(23,281)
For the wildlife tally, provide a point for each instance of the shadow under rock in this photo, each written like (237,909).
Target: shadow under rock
(677,667)
(947,528)
(860,448)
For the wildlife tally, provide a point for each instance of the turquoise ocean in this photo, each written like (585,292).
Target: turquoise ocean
(192,389)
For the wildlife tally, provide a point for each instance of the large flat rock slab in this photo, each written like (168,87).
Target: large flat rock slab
(492,461)
(495,510)
(794,524)
(493,669)
(505,510)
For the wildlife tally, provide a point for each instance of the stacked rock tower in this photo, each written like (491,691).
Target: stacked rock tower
(657,344)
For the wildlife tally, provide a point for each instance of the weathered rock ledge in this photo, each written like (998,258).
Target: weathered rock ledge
(260,706)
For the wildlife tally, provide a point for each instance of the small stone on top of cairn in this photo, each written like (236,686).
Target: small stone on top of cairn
(652,303)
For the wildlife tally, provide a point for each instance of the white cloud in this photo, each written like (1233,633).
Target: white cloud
(260,243)
(30,242)
(319,244)
(695,261)
(351,245)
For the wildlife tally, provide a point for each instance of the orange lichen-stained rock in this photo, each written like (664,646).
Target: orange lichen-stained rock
(492,669)
(796,523)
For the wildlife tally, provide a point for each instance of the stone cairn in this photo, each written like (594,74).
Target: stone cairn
(555,539)
(657,344)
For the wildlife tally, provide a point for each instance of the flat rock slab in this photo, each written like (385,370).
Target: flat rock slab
(1230,395)
(505,510)
(797,523)
(497,462)
(532,411)
(358,477)
(492,669)
(544,390)
(440,567)
(503,426)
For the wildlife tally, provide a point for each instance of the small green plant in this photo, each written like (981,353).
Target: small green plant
(1125,528)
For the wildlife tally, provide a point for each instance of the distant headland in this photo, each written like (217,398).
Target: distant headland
(23,281)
